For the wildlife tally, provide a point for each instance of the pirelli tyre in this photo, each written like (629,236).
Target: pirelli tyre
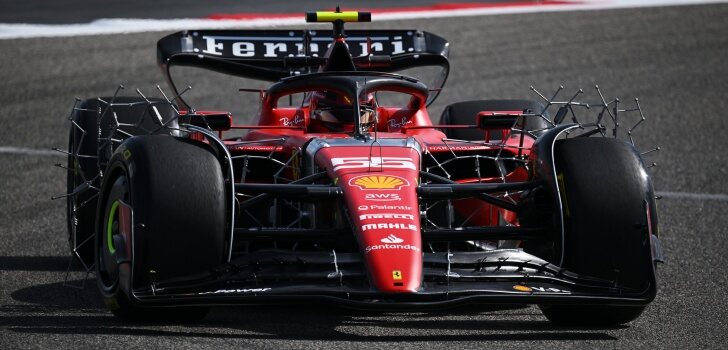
(175,188)
(609,213)
(84,148)
(465,113)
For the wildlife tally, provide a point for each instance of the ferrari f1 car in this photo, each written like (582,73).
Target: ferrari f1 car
(345,192)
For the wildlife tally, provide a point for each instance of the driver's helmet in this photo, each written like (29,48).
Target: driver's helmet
(336,111)
(331,107)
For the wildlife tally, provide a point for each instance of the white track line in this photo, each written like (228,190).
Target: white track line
(118,25)
(688,195)
(29,151)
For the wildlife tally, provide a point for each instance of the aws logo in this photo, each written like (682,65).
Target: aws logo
(379,182)
(382,197)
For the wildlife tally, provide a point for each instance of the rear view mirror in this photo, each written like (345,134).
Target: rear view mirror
(494,120)
(218,121)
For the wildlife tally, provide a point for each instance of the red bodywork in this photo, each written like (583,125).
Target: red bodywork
(379,183)
(378,172)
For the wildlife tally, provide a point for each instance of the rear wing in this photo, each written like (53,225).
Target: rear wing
(271,55)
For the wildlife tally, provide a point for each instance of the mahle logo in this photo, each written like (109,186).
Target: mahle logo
(379,182)
(390,226)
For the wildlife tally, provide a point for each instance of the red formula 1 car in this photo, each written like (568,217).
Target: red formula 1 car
(351,195)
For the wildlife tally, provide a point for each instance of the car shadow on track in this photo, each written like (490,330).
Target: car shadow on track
(57,309)
(35,263)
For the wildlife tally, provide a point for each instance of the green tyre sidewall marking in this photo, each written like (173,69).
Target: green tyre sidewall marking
(109,227)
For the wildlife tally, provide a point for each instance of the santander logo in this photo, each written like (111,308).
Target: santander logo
(392,239)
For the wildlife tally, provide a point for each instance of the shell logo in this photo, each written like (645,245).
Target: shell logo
(379,182)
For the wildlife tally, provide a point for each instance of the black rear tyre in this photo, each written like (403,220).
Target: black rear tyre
(176,190)
(83,140)
(607,196)
(465,113)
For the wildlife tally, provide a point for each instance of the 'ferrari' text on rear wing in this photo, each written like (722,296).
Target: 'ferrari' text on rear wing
(269,55)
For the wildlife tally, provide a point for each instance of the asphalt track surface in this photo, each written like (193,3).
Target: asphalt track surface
(672,58)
